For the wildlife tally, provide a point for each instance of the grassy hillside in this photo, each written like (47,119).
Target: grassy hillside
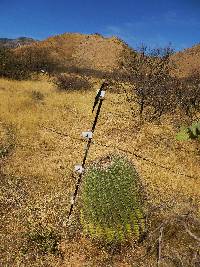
(40,131)
(187,61)
(95,52)
(92,51)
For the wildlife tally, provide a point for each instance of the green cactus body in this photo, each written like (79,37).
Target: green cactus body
(111,202)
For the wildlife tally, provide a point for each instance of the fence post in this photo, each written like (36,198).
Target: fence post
(80,168)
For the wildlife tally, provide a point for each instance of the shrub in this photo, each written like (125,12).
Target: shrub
(153,84)
(111,202)
(3,152)
(188,94)
(21,64)
(13,66)
(157,91)
(4,57)
(41,240)
(71,82)
(38,58)
(37,95)
(189,133)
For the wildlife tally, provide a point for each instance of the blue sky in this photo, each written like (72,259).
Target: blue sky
(155,22)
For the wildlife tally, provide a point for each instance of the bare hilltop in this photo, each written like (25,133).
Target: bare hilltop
(91,51)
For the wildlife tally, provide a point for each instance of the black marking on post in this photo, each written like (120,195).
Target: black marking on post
(97,115)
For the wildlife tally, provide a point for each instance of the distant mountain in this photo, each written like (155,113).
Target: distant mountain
(13,43)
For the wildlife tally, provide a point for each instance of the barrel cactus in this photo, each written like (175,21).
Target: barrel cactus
(111,202)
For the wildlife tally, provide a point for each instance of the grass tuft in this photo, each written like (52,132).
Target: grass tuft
(37,95)
(42,240)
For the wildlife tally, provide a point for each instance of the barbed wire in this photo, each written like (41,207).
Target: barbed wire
(135,154)
(129,100)
(80,168)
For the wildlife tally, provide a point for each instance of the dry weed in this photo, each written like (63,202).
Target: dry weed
(36,180)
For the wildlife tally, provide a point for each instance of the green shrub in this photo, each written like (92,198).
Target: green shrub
(189,133)
(111,202)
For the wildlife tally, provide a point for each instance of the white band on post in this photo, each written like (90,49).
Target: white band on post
(72,200)
(102,95)
(87,135)
(79,168)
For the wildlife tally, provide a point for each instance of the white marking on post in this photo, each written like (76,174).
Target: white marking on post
(72,200)
(102,95)
(87,135)
(79,168)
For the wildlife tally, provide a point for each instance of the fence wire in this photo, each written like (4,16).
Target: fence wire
(133,153)
(98,101)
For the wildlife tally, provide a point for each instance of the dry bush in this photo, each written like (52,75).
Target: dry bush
(71,82)
(115,75)
(156,91)
(22,64)
(7,140)
(37,58)
(188,94)
(12,66)
(74,69)
(37,95)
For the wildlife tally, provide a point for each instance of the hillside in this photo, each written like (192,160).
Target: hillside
(39,140)
(98,53)
(40,144)
(187,61)
(84,51)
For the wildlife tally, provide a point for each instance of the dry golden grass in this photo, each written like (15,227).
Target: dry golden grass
(37,180)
